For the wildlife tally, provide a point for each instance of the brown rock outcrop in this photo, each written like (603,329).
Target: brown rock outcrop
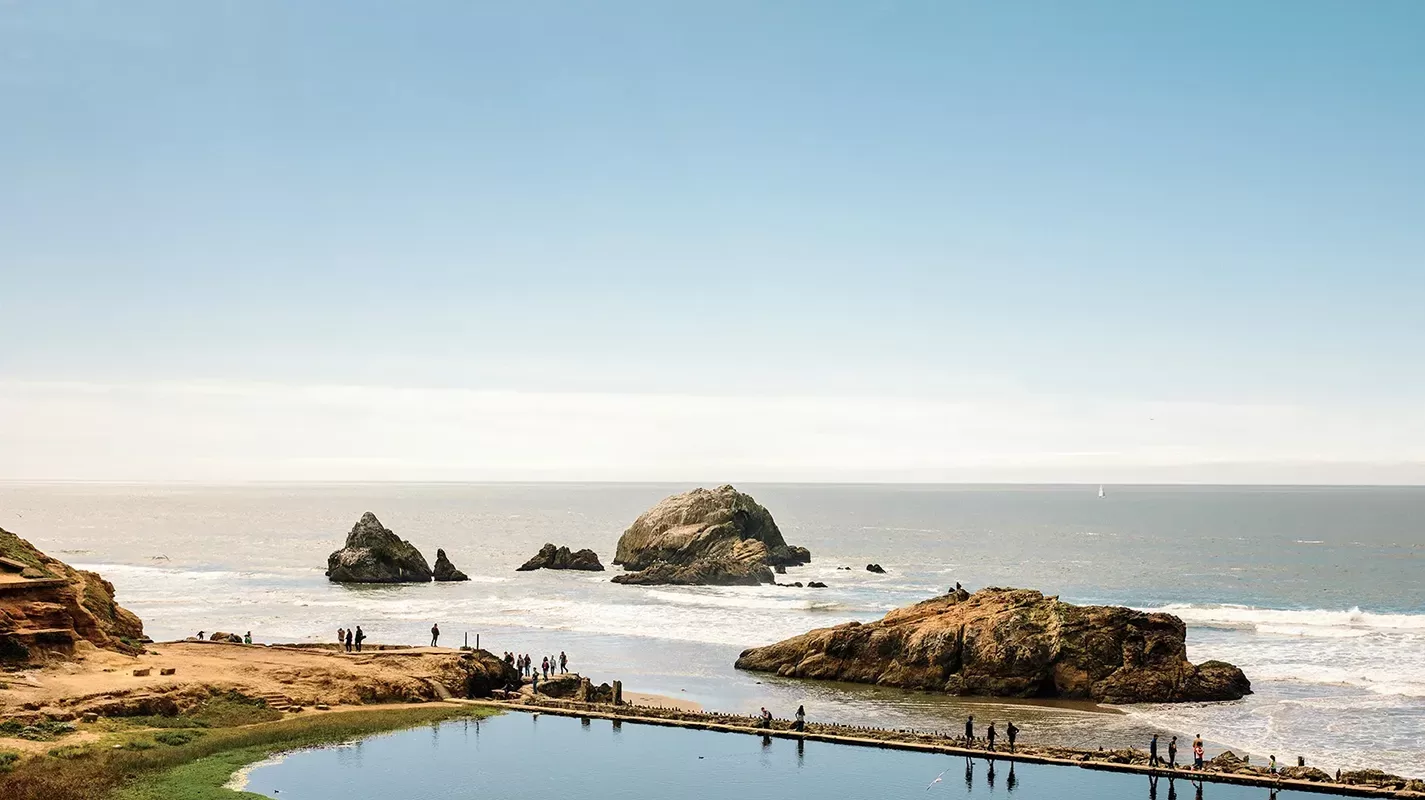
(551,557)
(1009,643)
(47,606)
(718,537)
(373,554)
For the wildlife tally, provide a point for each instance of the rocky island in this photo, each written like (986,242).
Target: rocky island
(720,537)
(551,557)
(373,554)
(1009,643)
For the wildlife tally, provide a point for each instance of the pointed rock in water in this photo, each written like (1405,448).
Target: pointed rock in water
(721,537)
(446,571)
(551,557)
(373,554)
(876,568)
(1010,643)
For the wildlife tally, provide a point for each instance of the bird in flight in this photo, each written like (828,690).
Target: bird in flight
(937,780)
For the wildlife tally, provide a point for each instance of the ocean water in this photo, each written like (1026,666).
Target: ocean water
(1316,593)
(520,755)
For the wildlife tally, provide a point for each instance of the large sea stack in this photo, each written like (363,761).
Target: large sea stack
(47,607)
(1010,643)
(373,554)
(720,537)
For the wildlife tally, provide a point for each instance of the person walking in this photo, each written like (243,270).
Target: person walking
(1153,751)
(990,736)
(1197,752)
(970,731)
(801,718)
(563,662)
(1011,732)
(434,633)
(350,637)
(360,637)
(1173,753)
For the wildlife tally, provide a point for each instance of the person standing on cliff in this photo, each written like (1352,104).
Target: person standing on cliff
(1012,732)
(340,638)
(1153,751)
(434,633)
(360,637)
(563,662)
(1173,753)
(970,731)
(350,637)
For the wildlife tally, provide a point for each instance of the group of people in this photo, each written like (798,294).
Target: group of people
(991,735)
(1172,761)
(525,666)
(764,720)
(349,638)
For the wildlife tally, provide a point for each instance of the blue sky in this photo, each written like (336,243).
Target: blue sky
(1066,216)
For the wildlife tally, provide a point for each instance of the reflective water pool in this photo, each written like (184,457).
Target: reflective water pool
(525,756)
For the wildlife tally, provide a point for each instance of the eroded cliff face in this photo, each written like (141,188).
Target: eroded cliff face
(47,607)
(718,537)
(1009,643)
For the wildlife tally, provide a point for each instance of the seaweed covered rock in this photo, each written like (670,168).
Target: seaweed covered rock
(551,557)
(373,554)
(718,537)
(1009,643)
(47,607)
(446,571)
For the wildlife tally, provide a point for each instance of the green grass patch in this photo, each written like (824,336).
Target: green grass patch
(43,731)
(221,711)
(8,759)
(175,738)
(198,768)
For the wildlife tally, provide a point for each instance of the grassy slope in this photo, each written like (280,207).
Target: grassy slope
(197,770)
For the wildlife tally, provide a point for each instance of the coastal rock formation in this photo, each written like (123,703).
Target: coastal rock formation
(1009,643)
(720,537)
(876,568)
(373,554)
(47,607)
(221,636)
(551,557)
(446,571)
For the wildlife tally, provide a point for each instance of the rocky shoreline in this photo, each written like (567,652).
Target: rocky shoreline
(1009,643)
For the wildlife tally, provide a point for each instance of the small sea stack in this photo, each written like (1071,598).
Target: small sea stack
(446,571)
(551,557)
(1010,643)
(718,537)
(373,554)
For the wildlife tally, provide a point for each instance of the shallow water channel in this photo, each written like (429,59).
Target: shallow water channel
(520,755)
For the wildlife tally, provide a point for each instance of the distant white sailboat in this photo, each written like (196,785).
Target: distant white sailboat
(1100,491)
